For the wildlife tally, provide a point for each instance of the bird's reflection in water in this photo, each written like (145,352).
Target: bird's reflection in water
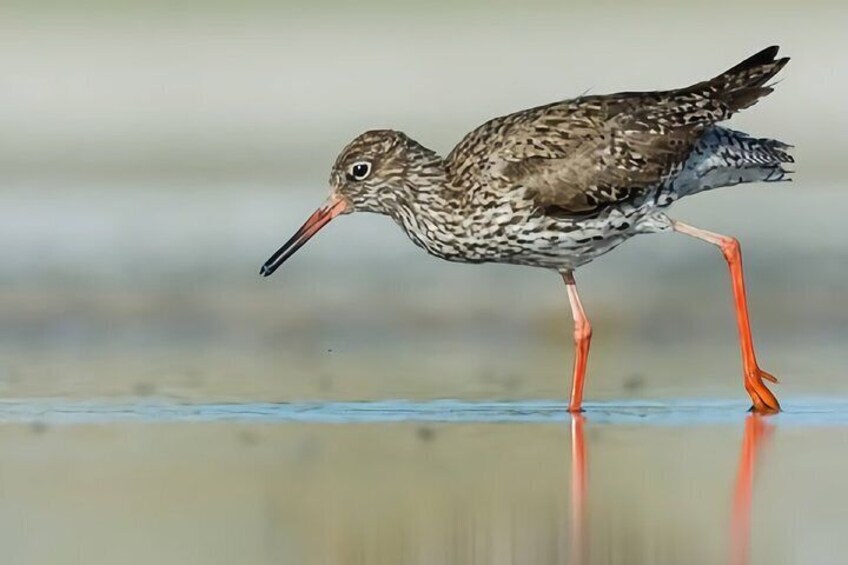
(578,532)
(756,434)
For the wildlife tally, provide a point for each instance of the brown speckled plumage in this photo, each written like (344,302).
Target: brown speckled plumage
(558,185)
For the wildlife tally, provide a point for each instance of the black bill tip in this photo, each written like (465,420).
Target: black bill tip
(320,218)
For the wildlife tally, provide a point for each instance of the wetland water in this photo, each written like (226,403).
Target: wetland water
(149,480)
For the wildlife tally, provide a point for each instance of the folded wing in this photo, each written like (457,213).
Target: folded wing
(580,156)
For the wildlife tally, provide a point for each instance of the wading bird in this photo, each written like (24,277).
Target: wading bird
(558,185)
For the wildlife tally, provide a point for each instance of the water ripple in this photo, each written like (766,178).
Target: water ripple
(807,411)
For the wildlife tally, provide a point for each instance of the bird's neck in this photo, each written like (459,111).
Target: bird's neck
(427,207)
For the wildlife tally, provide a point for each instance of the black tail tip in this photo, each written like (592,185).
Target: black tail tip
(769,53)
(265,271)
(763,57)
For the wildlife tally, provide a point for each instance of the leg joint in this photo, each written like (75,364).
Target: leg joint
(582,330)
(730,248)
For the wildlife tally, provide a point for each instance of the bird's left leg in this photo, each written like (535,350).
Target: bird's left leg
(761,396)
(582,338)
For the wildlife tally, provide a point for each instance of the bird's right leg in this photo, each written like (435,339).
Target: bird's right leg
(582,338)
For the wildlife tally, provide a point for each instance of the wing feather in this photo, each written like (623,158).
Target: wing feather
(580,156)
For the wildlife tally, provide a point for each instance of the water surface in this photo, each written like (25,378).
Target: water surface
(149,480)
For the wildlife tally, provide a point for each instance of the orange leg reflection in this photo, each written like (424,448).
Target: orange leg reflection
(757,432)
(578,491)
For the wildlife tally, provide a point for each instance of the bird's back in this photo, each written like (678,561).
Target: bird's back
(579,156)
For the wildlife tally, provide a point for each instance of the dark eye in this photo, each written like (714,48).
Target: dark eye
(360,170)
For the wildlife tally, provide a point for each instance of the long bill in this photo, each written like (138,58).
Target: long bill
(321,217)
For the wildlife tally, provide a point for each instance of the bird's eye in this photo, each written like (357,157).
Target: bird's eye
(360,170)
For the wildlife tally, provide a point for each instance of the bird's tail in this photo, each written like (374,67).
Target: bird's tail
(743,85)
(725,157)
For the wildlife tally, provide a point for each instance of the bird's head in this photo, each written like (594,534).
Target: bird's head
(380,171)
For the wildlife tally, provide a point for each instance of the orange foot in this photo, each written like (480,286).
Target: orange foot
(764,400)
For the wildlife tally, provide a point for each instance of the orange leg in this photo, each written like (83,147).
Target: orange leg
(578,492)
(756,432)
(582,338)
(763,399)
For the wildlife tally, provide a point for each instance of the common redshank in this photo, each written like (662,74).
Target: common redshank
(558,185)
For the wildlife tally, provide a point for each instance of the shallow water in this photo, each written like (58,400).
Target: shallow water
(141,481)
(684,413)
